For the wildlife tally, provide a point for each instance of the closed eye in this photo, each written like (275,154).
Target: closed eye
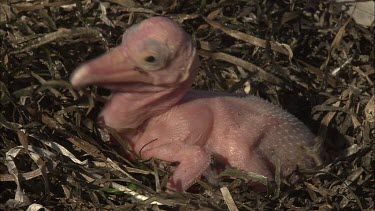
(153,55)
(150,59)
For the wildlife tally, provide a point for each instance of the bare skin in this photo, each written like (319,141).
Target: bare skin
(150,74)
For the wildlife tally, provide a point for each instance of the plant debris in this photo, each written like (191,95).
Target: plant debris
(309,57)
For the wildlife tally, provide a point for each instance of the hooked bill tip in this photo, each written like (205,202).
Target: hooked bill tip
(80,77)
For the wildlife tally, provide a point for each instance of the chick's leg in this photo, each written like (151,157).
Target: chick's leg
(193,161)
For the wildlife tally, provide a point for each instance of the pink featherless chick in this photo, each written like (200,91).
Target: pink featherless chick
(150,74)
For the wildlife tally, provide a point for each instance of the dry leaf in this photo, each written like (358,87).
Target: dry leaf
(370,110)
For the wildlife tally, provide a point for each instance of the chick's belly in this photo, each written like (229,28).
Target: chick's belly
(240,153)
(231,145)
(176,129)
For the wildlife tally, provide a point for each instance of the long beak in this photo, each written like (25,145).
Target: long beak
(112,67)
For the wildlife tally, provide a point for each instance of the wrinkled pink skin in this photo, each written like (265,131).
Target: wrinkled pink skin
(177,124)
